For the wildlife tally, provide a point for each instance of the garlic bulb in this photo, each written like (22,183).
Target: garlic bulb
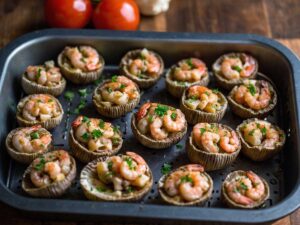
(153,7)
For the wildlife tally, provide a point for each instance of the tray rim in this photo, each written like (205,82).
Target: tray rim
(145,211)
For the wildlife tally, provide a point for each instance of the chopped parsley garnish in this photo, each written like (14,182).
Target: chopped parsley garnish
(97,133)
(129,162)
(166,168)
(115,140)
(179,146)
(237,68)
(251,132)
(190,63)
(85,136)
(38,75)
(122,86)
(101,189)
(161,110)
(263,130)
(206,92)
(69,95)
(85,119)
(114,78)
(116,129)
(50,100)
(215,91)
(202,130)
(243,186)
(129,189)
(109,90)
(81,105)
(194,98)
(97,82)
(173,116)
(252,89)
(40,165)
(186,179)
(101,124)
(150,119)
(35,135)
(83,92)
(110,165)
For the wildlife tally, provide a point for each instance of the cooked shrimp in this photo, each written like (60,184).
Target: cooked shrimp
(230,144)
(156,130)
(132,167)
(209,141)
(143,110)
(236,195)
(190,70)
(272,137)
(191,191)
(85,58)
(31,139)
(143,125)
(239,95)
(258,188)
(174,121)
(248,67)
(230,68)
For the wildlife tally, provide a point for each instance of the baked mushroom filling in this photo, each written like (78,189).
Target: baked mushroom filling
(187,183)
(40,107)
(49,168)
(261,133)
(253,94)
(33,139)
(159,121)
(82,58)
(237,66)
(189,71)
(203,99)
(246,189)
(120,91)
(214,138)
(145,66)
(47,75)
(95,134)
(123,174)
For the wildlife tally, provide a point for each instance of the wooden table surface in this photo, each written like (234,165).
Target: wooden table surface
(278,19)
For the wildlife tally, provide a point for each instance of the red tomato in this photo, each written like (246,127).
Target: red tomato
(116,15)
(68,13)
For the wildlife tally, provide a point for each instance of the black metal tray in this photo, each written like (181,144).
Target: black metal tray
(282,172)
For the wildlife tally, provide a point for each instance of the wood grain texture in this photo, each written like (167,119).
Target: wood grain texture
(272,18)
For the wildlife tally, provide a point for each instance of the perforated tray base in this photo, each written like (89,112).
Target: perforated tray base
(176,155)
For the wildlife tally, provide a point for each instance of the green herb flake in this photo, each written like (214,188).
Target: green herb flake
(237,68)
(166,168)
(40,165)
(186,179)
(96,134)
(101,124)
(101,189)
(243,186)
(69,95)
(110,165)
(263,130)
(116,129)
(161,110)
(38,75)
(114,78)
(202,130)
(179,146)
(115,141)
(35,135)
(129,162)
(109,90)
(151,119)
(97,82)
(50,100)
(122,86)
(252,89)
(190,63)
(129,189)
(83,92)
(85,119)
(251,132)
(215,91)
(173,116)
(85,136)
